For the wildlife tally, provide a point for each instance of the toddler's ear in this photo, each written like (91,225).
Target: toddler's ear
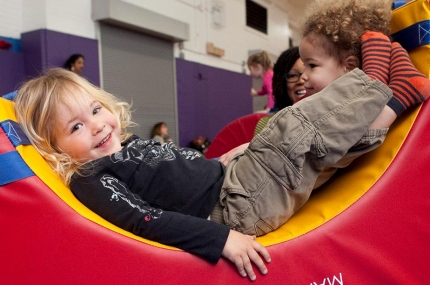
(351,62)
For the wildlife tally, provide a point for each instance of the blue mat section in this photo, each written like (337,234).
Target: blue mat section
(13,168)
(397,4)
(10,96)
(413,36)
(13,131)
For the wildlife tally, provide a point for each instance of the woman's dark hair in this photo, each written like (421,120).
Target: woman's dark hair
(71,60)
(279,84)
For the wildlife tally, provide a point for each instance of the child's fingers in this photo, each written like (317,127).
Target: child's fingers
(242,250)
(240,266)
(262,251)
(247,265)
(244,266)
(255,257)
(244,262)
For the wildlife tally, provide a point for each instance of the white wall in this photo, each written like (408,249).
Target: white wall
(10,18)
(233,36)
(70,17)
(66,16)
(74,17)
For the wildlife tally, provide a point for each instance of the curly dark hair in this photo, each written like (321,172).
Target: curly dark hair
(342,22)
(279,84)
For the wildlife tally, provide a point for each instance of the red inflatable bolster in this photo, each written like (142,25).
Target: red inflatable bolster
(238,132)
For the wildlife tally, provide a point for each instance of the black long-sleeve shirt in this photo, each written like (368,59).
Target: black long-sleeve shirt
(159,192)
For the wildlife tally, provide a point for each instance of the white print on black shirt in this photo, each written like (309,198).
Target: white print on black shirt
(118,193)
(189,154)
(151,153)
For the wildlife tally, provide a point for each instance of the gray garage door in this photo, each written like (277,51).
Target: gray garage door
(140,69)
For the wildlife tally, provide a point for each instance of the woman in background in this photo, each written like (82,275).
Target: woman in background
(288,86)
(75,63)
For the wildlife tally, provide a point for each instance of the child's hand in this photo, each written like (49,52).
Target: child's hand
(226,158)
(242,250)
(253,92)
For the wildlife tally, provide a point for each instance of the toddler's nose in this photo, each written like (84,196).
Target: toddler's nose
(98,126)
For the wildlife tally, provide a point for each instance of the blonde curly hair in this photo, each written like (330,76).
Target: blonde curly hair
(337,25)
(36,107)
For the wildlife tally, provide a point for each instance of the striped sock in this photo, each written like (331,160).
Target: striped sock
(375,53)
(409,86)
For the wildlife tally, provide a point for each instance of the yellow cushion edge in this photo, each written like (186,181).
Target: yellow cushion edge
(6,110)
(420,56)
(339,193)
(409,14)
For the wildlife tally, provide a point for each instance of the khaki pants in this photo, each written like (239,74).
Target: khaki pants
(300,148)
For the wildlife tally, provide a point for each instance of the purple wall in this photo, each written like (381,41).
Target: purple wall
(11,71)
(208,99)
(43,49)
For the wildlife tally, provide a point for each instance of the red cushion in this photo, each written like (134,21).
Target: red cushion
(234,134)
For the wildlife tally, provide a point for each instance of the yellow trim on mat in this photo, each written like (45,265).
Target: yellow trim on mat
(6,110)
(409,14)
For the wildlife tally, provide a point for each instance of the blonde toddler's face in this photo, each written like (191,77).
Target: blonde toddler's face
(87,132)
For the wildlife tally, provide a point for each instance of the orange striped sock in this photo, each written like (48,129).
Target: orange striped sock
(409,86)
(375,53)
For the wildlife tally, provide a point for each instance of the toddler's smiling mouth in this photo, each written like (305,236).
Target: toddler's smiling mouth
(103,141)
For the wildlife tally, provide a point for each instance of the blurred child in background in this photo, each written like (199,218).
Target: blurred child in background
(260,66)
